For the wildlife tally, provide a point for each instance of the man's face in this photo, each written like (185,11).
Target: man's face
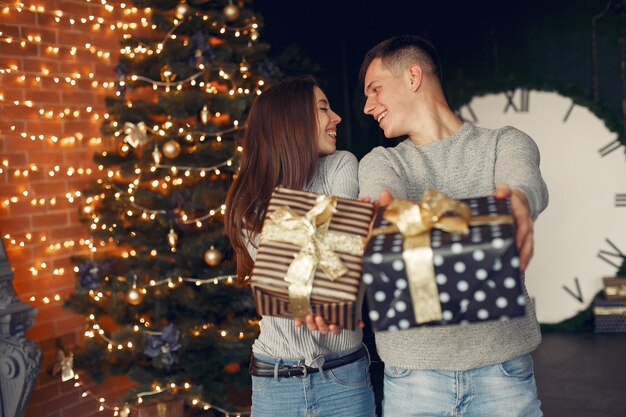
(385,99)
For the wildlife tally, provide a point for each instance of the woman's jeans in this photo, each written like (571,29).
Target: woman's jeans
(344,391)
(504,390)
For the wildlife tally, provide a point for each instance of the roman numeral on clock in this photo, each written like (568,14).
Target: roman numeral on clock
(469,110)
(569,111)
(523,103)
(602,254)
(610,147)
(578,295)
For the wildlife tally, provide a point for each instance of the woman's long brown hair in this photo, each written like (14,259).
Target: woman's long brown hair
(279,148)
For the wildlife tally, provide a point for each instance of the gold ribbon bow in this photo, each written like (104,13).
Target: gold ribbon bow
(65,365)
(136,134)
(317,248)
(415,222)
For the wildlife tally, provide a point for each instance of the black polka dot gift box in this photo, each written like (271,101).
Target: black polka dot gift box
(442,261)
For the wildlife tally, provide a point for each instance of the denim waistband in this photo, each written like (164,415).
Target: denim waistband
(292,362)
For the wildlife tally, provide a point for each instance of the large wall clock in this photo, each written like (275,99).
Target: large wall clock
(584,167)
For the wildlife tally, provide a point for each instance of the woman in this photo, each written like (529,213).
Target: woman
(290,140)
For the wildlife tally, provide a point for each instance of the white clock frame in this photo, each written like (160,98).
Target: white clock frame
(584,167)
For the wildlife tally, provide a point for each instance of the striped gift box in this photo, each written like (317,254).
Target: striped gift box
(338,301)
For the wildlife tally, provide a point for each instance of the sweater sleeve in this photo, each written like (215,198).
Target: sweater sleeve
(341,174)
(517,164)
(377,173)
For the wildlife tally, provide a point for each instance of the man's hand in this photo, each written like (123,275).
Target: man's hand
(524,224)
(385,198)
(318,323)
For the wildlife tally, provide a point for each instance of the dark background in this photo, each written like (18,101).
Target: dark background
(485,46)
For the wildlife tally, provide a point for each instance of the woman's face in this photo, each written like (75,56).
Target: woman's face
(327,121)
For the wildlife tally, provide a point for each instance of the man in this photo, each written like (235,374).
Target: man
(482,369)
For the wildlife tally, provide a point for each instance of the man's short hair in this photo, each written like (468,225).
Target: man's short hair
(398,52)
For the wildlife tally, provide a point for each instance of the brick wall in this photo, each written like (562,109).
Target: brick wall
(28,68)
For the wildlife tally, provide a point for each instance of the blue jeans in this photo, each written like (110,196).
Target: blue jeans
(344,391)
(504,390)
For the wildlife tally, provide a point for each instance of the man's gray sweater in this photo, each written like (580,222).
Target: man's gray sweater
(470,163)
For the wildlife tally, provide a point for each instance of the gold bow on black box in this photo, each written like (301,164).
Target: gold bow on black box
(317,248)
(415,221)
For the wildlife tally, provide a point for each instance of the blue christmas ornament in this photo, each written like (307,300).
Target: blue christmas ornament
(202,51)
(164,345)
(88,272)
(269,70)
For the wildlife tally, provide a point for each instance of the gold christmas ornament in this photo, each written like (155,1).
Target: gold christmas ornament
(156,155)
(231,12)
(134,296)
(171,149)
(205,115)
(172,238)
(181,10)
(213,256)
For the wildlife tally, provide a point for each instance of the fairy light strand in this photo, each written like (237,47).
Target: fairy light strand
(55,48)
(95,22)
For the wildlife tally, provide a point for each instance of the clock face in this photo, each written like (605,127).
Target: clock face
(584,168)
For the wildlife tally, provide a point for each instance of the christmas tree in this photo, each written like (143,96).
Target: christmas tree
(158,291)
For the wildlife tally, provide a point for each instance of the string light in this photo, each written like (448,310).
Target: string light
(53,139)
(54,49)
(95,330)
(56,298)
(95,22)
(75,79)
(64,113)
(250,29)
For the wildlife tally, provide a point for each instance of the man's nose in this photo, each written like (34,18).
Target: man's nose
(369,106)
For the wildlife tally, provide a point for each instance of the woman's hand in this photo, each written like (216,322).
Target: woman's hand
(318,323)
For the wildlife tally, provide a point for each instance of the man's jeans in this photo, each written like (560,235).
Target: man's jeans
(504,390)
(344,391)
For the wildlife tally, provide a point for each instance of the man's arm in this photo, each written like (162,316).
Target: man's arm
(377,173)
(518,176)
(517,165)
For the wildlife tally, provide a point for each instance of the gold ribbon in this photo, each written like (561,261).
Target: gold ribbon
(609,311)
(615,291)
(317,248)
(415,222)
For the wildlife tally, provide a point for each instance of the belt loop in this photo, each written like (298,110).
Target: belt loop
(318,362)
(276,365)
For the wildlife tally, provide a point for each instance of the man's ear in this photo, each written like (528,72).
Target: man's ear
(415,76)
